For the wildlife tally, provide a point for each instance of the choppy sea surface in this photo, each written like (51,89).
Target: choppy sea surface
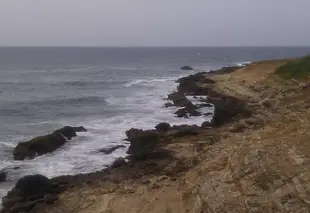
(106,90)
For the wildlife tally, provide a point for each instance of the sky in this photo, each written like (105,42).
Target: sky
(154,23)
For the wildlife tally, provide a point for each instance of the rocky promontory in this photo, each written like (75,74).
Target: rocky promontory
(252,157)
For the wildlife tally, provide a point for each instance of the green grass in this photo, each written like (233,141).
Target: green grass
(297,69)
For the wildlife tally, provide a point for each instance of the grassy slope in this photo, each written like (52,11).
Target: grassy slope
(297,69)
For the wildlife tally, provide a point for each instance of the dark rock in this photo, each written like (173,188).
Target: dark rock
(3,176)
(194,84)
(182,113)
(38,146)
(79,129)
(34,185)
(186,68)
(226,108)
(45,144)
(142,142)
(28,191)
(225,70)
(206,124)
(67,132)
(109,150)
(118,162)
(184,130)
(163,127)
(22,207)
(168,104)
(179,99)
(190,110)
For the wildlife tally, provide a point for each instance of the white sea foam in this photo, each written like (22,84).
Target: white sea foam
(242,64)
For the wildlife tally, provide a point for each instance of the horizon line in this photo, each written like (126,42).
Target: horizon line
(232,46)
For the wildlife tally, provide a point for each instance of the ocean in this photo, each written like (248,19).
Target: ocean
(106,90)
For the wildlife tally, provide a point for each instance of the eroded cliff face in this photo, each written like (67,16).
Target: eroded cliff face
(253,163)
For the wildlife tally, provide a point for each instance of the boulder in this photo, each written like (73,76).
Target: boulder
(163,127)
(34,185)
(3,176)
(38,146)
(28,191)
(142,142)
(187,68)
(118,162)
(182,113)
(45,144)
(180,100)
(109,150)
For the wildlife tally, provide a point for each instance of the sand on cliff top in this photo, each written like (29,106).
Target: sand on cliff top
(257,164)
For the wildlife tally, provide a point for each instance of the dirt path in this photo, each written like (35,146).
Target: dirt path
(258,164)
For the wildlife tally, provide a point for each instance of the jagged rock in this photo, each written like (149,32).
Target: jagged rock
(226,108)
(142,142)
(168,104)
(109,150)
(45,144)
(187,68)
(3,176)
(190,110)
(194,84)
(179,99)
(163,127)
(118,162)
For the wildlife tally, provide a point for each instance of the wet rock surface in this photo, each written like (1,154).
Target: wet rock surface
(45,144)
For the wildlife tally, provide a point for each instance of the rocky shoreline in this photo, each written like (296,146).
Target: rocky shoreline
(186,168)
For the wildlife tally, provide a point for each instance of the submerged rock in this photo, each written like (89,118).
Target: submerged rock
(109,150)
(45,144)
(187,68)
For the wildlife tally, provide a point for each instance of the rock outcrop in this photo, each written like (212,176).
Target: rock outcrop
(29,191)
(162,127)
(179,99)
(142,142)
(45,144)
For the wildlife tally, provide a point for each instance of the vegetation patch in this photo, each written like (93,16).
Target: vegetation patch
(297,69)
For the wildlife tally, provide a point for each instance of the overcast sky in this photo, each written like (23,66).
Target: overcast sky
(154,22)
